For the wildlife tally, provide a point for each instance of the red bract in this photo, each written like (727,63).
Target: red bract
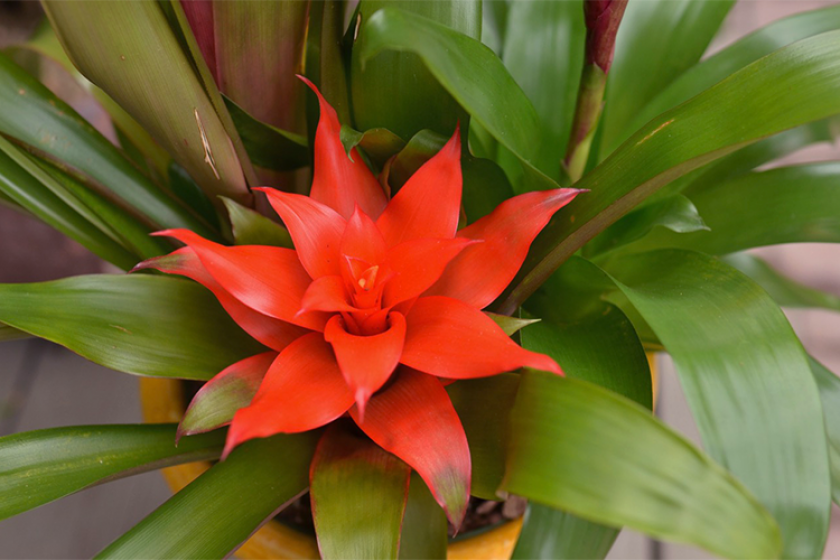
(378,301)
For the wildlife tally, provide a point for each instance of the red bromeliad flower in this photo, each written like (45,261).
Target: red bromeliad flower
(376,308)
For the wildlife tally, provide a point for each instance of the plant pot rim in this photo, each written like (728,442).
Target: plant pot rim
(161,401)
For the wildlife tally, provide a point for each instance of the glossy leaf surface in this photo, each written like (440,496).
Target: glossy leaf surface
(829,387)
(740,364)
(148,325)
(158,87)
(787,88)
(45,465)
(582,448)
(224,505)
(359,494)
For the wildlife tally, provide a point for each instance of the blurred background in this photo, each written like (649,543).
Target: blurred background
(42,385)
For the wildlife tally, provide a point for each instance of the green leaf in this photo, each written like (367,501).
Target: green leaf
(359,494)
(551,533)
(471,73)
(66,138)
(269,146)
(790,87)
(388,89)
(184,187)
(537,32)
(483,405)
(784,291)
(252,228)
(511,325)
(327,61)
(216,513)
(829,387)
(782,205)
(142,324)
(657,39)
(746,379)
(675,213)
(41,202)
(424,525)
(485,187)
(745,51)
(581,448)
(45,465)
(11,333)
(159,87)
(379,144)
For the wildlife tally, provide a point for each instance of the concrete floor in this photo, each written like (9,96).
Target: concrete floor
(43,386)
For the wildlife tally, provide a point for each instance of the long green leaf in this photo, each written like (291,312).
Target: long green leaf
(471,73)
(746,379)
(737,55)
(69,140)
(792,86)
(45,465)
(657,39)
(359,493)
(109,43)
(587,450)
(544,53)
(424,527)
(784,291)
(551,533)
(41,202)
(829,386)
(216,513)
(143,324)
(782,205)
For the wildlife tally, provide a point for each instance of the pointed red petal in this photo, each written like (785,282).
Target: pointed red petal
(272,332)
(218,400)
(338,181)
(448,338)
(428,205)
(481,272)
(302,390)
(268,279)
(316,230)
(418,264)
(362,240)
(366,361)
(414,419)
(326,294)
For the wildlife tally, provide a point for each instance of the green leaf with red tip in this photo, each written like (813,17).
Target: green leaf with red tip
(252,228)
(484,406)
(424,527)
(45,465)
(471,73)
(399,418)
(578,447)
(224,505)
(268,146)
(358,494)
(142,324)
(231,389)
(159,87)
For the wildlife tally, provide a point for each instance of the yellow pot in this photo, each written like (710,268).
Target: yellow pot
(162,401)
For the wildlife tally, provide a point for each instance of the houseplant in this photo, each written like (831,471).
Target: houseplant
(664,195)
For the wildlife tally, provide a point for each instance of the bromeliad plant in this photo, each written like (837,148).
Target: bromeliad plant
(592,202)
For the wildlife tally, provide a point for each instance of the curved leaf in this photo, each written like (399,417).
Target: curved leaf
(829,386)
(252,228)
(424,528)
(746,379)
(587,450)
(551,533)
(143,324)
(784,291)
(471,73)
(159,87)
(359,493)
(225,504)
(792,86)
(657,39)
(782,205)
(70,141)
(45,465)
